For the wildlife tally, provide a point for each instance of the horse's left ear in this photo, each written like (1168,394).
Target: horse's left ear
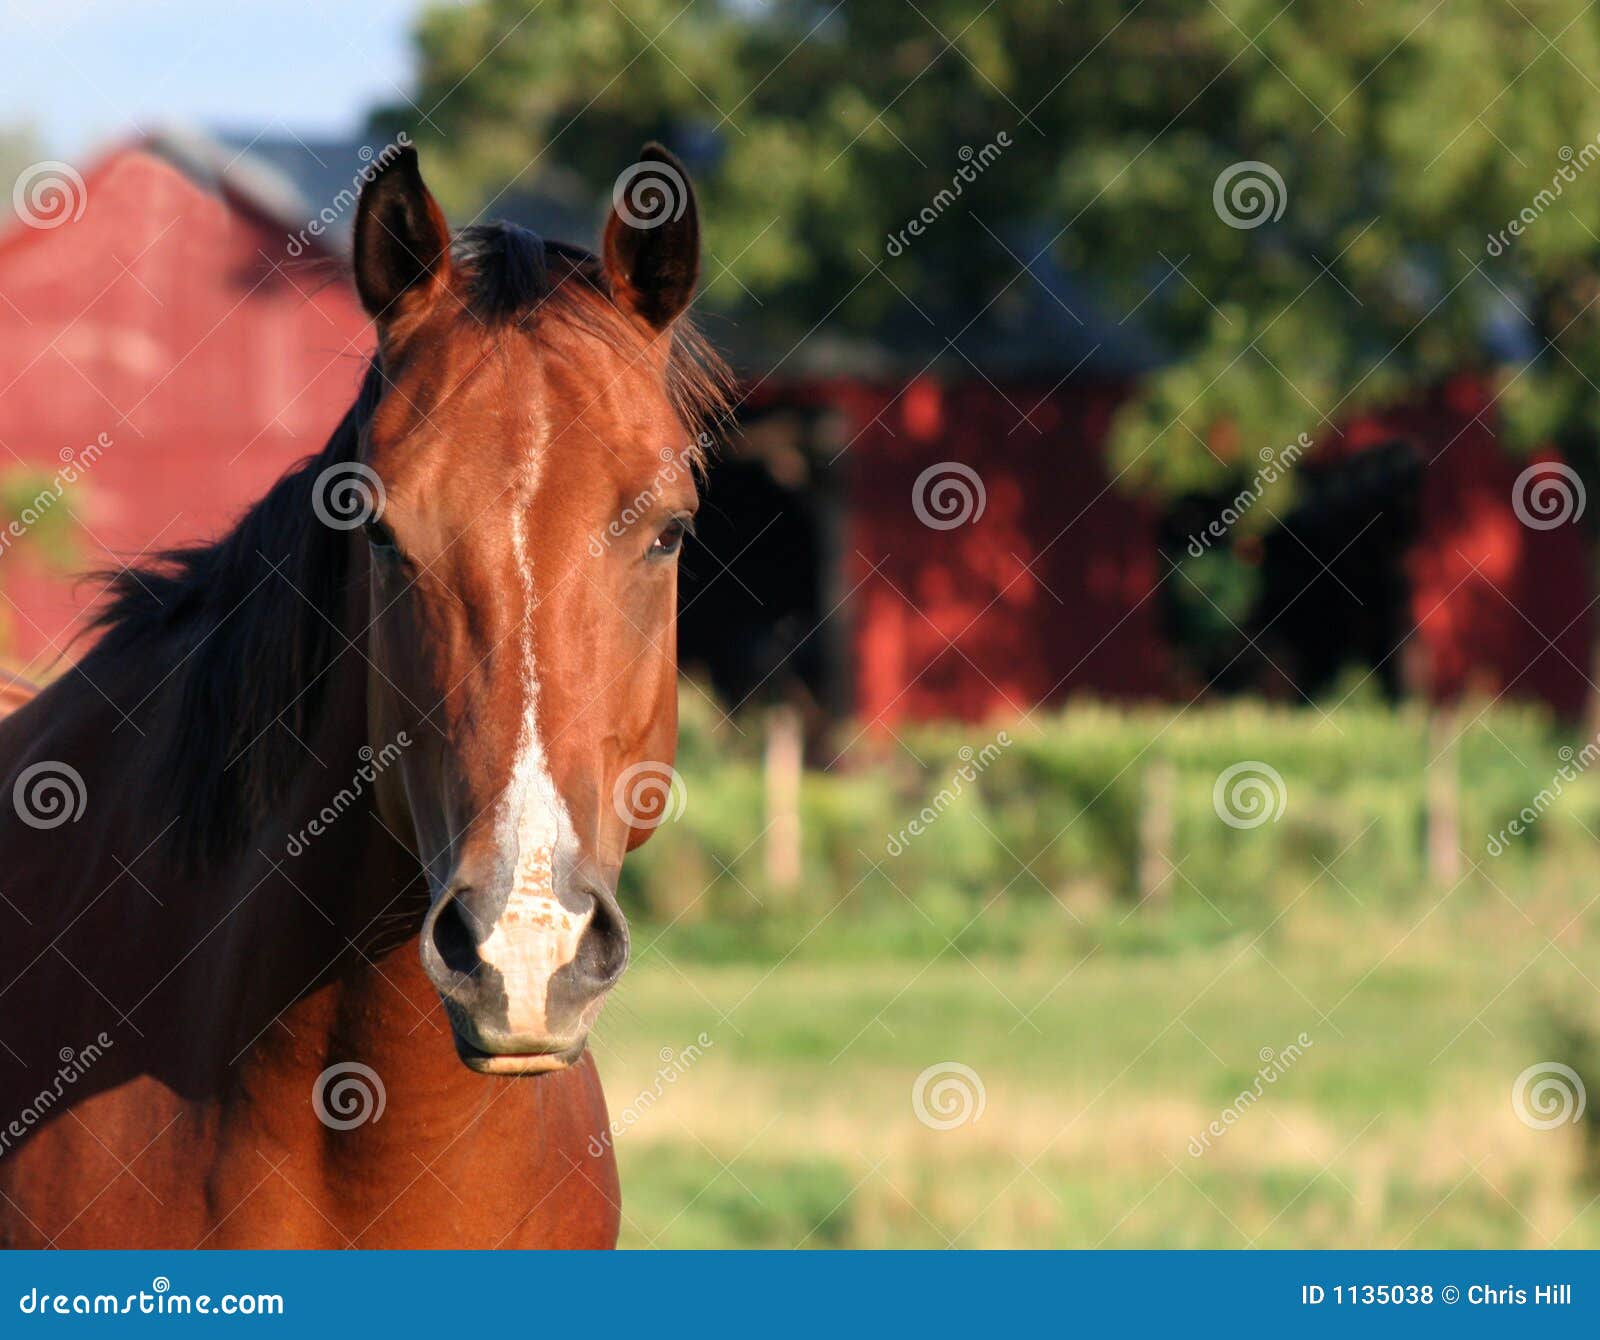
(402,243)
(652,239)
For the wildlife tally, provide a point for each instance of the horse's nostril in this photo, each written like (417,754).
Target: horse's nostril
(603,950)
(457,947)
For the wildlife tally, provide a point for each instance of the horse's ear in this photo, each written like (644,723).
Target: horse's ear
(402,242)
(652,238)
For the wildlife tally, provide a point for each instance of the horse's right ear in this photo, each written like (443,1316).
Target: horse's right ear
(402,242)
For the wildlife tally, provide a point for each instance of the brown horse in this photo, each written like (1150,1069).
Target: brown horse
(377,748)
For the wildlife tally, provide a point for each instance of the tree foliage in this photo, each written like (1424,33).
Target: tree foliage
(1406,136)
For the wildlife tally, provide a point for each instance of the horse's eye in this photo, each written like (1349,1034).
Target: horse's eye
(671,538)
(380,537)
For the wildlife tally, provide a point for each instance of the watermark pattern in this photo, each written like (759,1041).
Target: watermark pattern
(49,793)
(675,466)
(1548,494)
(74,463)
(1574,763)
(948,1094)
(1548,1094)
(948,494)
(49,194)
(649,194)
(373,162)
(649,794)
(75,1064)
(348,1094)
(1248,194)
(1529,214)
(973,762)
(372,763)
(674,1065)
(1274,1064)
(1249,794)
(1274,465)
(972,164)
(346,495)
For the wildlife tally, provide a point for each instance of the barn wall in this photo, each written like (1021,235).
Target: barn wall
(1052,591)
(1048,592)
(156,320)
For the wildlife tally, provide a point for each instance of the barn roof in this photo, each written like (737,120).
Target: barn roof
(1045,325)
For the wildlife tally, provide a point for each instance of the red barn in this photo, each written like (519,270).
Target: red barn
(154,313)
(187,315)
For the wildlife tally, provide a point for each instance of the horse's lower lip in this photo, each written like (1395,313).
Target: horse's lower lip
(514,1063)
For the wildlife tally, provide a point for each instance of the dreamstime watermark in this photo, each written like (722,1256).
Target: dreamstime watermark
(49,194)
(1248,194)
(348,1094)
(1274,465)
(674,1065)
(75,1064)
(649,794)
(1530,213)
(372,763)
(1548,494)
(1249,794)
(49,793)
(1574,763)
(1548,1094)
(973,763)
(1274,1064)
(676,466)
(373,162)
(158,1300)
(649,193)
(347,495)
(948,1094)
(972,164)
(74,464)
(948,494)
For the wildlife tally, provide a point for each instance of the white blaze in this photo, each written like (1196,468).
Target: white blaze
(535,934)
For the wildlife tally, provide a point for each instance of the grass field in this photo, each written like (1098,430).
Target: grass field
(1102,1057)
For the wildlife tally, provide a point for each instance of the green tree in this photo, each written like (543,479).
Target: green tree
(1406,138)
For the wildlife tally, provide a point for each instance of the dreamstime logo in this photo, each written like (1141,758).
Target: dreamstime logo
(373,761)
(948,1094)
(1574,763)
(1249,794)
(649,194)
(75,1064)
(674,1065)
(347,495)
(1274,465)
(1249,194)
(948,495)
(348,1094)
(372,163)
(1548,1094)
(49,194)
(75,462)
(49,794)
(649,794)
(973,762)
(1548,494)
(1275,1063)
(971,165)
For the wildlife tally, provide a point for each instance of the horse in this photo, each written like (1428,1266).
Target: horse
(309,865)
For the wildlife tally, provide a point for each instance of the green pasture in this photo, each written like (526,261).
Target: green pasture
(1109,1024)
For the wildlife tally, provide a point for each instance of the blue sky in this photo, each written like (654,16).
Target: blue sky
(82,72)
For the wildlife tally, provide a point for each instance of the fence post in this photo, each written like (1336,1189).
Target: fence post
(1157,821)
(784,765)
(1443,798)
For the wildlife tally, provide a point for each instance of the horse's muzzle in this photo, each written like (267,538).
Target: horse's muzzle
(523,975)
